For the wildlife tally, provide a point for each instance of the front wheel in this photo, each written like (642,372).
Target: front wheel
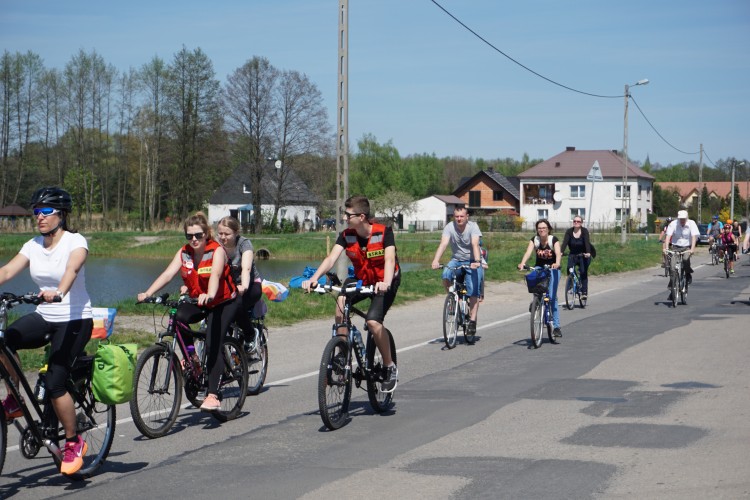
(157,392)
(233,383)
(450,321)
(675,289)
(683,290)
(536,322)
(380,401)
(570,293)
(95,423)
(3,439)
(335,383)
(726,264)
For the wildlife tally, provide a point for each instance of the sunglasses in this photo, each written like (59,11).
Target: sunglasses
(349,216)
(577,222)
(197,236)
(45,211)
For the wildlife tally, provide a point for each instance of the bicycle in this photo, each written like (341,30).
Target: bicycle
(336,373)
(256,348)
(456,310)
(729,254)
(573,287)
(679,287)
(160,375)
(95,421)
(713,250)
(540,308)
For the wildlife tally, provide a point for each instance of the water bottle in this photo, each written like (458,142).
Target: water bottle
(41,389)
(358,341)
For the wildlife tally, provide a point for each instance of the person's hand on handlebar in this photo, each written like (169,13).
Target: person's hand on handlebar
(521,266)
(436,264)
(381,287)
(309,285)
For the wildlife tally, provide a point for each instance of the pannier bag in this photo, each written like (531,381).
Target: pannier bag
(537,281)
(113,372)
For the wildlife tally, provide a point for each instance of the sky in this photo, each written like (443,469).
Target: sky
(422,81)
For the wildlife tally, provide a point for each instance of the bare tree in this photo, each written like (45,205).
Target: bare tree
(153,77)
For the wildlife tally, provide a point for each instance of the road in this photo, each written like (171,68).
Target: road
(638,401)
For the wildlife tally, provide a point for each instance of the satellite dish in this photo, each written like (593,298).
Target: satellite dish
(277,164)
(557,196)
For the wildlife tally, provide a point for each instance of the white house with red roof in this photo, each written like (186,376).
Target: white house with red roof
(558,190)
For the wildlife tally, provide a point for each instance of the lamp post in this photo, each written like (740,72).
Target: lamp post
(626,201)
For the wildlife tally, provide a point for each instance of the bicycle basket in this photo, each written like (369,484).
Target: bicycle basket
(537,281)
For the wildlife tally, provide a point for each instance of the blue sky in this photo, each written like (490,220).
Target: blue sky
(422,81)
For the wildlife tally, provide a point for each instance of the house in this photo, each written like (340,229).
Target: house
(234,197)
(431,213)
(561,188)
(691,191)
(489,193)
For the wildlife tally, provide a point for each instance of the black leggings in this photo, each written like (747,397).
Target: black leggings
(67,341)
(247,302)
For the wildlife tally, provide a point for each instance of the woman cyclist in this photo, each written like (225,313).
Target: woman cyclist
(577,238)
(729,241)
(56,263)
(203,265)
(244,272)
(547,250)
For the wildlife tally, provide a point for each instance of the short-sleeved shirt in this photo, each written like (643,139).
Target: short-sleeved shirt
(461,241)
(545,254)
(47,267)
(235,260)
(682,234)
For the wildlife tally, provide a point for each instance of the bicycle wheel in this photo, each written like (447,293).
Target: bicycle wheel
(450,321)
(470,338)
(581,301)
(157,392)
(3,439)
(95,422)
(233,384)
(715,257)
(335,383)
(726,264)
(683,289)
(548,323)
(380,401)
(257,361)
(675,288)
(570,293)
(536,321)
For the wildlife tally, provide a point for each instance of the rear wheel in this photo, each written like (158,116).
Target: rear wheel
(157,392)
(450,321)
(335,383)
(257,361)
(570,293)
(536,322)
(3,438)
(233,384)
(380,401)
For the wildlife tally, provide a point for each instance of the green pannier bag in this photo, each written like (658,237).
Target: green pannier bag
(113,371)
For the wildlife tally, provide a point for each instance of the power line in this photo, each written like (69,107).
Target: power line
(519,63)
(657,132)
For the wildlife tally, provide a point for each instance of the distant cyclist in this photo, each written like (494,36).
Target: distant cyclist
(577,239)
(729,241)
(714,230)
(683,235)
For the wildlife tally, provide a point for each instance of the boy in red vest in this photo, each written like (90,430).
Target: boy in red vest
(372,249)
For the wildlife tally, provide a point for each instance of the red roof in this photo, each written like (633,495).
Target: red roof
(720,188)
(14,210)
(577,164)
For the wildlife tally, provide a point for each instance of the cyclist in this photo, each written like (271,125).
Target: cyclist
(729,241)
(205,272)
(243,269)
(463,236)
(371,247)
(737,232)
(662,236)
(577,238)
(683,235)
(547,249)
(56,261)
(714,230)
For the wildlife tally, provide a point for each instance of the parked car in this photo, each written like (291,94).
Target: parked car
(703,238)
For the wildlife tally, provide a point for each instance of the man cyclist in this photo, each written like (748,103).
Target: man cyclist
(683,235)
(372,249)
(463,237)
(714,231)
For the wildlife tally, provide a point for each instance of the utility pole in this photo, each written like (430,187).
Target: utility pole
(342,125)
(700,188)
(623,217)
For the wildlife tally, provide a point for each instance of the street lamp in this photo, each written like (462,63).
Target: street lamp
(626,205)
(731,208)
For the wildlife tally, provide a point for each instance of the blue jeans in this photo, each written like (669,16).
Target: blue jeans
(554,280)
(472,278)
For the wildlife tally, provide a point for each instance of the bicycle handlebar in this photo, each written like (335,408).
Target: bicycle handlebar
(453,268)
(12,299)
(529,268)
(164,300)
(364,290)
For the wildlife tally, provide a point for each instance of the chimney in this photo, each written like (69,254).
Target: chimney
(570,148)
(557,164)
(491,170)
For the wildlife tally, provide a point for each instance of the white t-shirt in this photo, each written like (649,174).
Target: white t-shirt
(47,268)
(682,235)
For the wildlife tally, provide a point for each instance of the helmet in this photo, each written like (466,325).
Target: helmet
(669,219)
(729,221)
(54,197)
(715,217)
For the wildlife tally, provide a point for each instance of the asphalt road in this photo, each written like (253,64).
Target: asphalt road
(640,400)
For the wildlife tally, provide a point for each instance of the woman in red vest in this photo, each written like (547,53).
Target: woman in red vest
(372,249)
(202,263)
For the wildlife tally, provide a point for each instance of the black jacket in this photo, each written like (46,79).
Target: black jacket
(586,241)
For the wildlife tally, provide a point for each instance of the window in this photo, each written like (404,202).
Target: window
(245,188)
(282,213)
(578,191)
(497,196)
(618,214)
(618,191)
(475,198)
(542,213)
(648,193)
(640,189)
(578,212)
(307,214)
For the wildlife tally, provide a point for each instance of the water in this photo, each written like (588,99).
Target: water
(112,280)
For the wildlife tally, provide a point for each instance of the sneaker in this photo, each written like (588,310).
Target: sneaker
(471,329)
(731,271)
(211,403)
(689,278)
(670,297)
(584,296)
(73,454)
(557,332)
(12,408)
(391,379)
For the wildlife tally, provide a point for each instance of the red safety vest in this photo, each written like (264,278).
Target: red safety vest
(369,262)
(197,279)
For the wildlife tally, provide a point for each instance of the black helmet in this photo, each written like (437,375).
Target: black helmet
(54,197)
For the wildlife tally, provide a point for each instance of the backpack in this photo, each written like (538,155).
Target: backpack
(113,372)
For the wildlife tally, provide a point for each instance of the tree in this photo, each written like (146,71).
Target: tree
(374,169)
(666,201)
(393,204)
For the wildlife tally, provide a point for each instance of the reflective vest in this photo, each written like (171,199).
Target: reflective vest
(368,262)
(196,280)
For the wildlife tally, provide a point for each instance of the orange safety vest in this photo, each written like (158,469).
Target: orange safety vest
(197,279)
(369,263)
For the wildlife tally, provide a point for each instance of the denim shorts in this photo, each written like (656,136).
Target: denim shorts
(472,278)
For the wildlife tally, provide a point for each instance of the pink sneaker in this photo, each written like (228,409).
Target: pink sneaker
(12,408)
(211,403)
(73,454)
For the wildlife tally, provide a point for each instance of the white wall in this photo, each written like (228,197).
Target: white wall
(216,212)
(430,210)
